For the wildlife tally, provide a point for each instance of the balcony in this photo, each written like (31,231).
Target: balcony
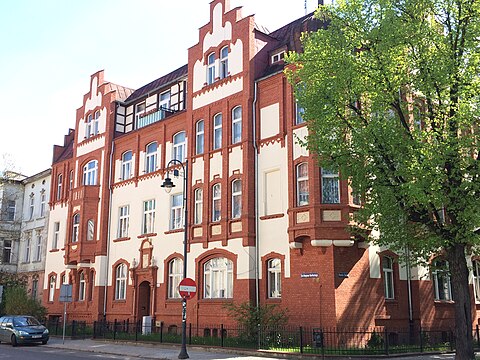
(85,192)
(153,117)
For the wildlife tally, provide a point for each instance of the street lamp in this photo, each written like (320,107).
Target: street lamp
(168,185)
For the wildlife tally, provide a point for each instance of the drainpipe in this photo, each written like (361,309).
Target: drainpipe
(255,148)
(409,286)
(108,230)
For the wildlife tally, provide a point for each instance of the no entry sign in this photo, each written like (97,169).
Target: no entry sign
(187,288)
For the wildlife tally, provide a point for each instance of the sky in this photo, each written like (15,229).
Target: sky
(49,49)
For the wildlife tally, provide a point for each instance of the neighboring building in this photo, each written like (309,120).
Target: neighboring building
(33,240)
(265,222)
(11,202)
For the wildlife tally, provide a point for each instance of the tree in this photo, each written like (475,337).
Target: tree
(391,91)
(17,302)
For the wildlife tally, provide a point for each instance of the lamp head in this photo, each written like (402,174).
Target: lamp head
(168,184)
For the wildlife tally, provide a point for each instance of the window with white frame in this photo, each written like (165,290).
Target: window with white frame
(81,286)
(51,288)
(330,187)
(31,207)
(274,268)
(90,173)
(237,125)
(211,69)
(218,279)
(299,113)
(123,221)
(176,212)
(179,149)
(43,201)
(59,186)
(217,131)
(89,126)
(121,282)
(90,229)
(151,158)
(70,187)
(148,217)
(198,210)
(164,101)
(236,198)
(200,138)
(28,242)
(56,235)
(302,184)
(38,247)
(175,275)
(96,118)
(139,112)
(387,266)
(278,56)
(75,228)
(7,251)
(224,62)
(476,279)
(126,165)
(441,280)
(216,202)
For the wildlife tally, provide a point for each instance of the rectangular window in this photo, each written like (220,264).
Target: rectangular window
(224,62)
(34,288)
(441,281)
(123,221)
(38,247)
(10,210)
(164,103)
(179,146)
(31,207)
(148,217)
(299,113)
(176,212)
(330,187)
(216,202)
(302,184)
(90,229)
(237,125)
(211,69)
(28,240)
(387,264)
(236,199)
(276,57)
(7,251)
(56,235)
(198,206)
(217,131)
(139,111)
(126,165)
(199,148)
(43,200)
(59,186)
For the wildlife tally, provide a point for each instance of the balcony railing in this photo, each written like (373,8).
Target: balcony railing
(153,117)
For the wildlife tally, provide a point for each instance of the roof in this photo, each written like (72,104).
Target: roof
(122,91)
(37,176)
(157,84)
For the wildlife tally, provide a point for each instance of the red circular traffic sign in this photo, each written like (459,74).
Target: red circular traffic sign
(187,288)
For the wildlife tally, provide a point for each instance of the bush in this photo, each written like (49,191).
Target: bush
(375,341)
(17,302)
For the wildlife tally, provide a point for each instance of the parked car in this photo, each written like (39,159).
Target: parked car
(22,329)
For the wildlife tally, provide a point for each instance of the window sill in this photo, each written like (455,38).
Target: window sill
(215,301)
(273,216)
(174,231)
(121,239)
(146,235)
(54,250)
(444,302)
(120,301)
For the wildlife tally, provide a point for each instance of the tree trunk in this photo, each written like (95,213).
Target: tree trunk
(461,296)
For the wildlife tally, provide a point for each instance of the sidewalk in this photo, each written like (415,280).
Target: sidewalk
(170,352)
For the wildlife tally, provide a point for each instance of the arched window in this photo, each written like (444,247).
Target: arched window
(198,211)
(236,198)
(89,126)
(216,202)
(218,278)
(217,131)
(441,280)
(90,173)
(211,68)
(151,157)
(179,149)
(237,125)
(302,184)
(199,146)
(274,267)
(51,288)
(76,225)
(81,286)
(224,62)
(175,275)
(387,265)
(90,229)
(121,282)
(126,165)
(95,122)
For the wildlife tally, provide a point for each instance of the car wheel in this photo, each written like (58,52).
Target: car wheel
(44,342)
(13,340)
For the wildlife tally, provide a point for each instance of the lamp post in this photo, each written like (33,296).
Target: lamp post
(168,185)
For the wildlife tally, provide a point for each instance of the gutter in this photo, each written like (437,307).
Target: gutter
(108,230)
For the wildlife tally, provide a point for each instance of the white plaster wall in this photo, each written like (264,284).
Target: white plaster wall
(95,98)
(235,58)
(374,260)
(299,150)
(217,92)
(269,121)
(216,165)
(197,170)
(235,160)
(219,32)
(91,146)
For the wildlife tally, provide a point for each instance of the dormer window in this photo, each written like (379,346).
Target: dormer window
(224,62)
(211,69)
(278,56)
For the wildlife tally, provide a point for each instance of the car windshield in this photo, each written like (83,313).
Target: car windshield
(25,321)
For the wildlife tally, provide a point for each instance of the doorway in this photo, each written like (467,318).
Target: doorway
(143,308)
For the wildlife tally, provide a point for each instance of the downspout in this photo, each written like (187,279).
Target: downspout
(409,285)
(108,230)
(255,149)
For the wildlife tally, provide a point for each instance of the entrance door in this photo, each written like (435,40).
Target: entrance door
(143,299)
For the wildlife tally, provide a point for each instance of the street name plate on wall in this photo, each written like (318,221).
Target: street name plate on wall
(343,275)
(65,293)
(309,275)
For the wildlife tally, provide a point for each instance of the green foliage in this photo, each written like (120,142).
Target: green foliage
(17,302)
(252,318)
(375,341)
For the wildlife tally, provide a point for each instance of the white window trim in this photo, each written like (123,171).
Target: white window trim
(148,223)
(175,275)
(223,70)
(333,175)
(218,279)
(126,166)
(236,197)
(217,131)
(304,197)
(123,221)
(274,290)
(90,171)
(56,235)
(211,68)
(176,212)
(388,276)
(236,124)
(81,286)
(198,210)
(216,198)
(200,134)
(121,282)
(151,158)
(51,288)
(179,147)
(75,228)
(446,276)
